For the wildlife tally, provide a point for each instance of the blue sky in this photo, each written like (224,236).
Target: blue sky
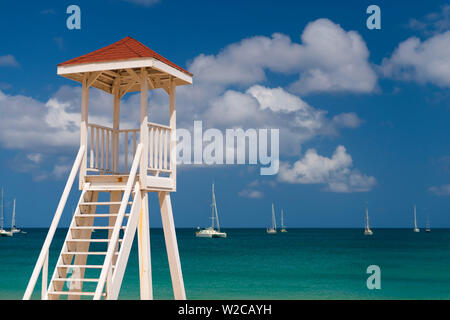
(379,100)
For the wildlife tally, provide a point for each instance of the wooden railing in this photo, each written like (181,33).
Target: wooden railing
(159,149)
(110,151)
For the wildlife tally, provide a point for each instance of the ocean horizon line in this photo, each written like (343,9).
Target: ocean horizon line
(288,228)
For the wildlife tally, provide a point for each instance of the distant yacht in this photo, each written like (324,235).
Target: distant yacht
(273,229)
(3,232)
(367,230)
(415,221)
(282,222)
(13,221)
(211,232)
(428,224)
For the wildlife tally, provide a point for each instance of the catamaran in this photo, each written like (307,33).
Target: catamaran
(415,221)
(13,222)
(273,228)
(282,222)
(211,232)
(367,230)
(3,232)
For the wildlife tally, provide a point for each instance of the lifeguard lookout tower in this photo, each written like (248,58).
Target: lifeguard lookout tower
(117,168)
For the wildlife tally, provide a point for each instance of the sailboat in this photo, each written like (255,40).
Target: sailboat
(428,224)
(282,222)
(367,230)
(211,232)
(13,221)
(273,229)
(3,232)
(415,221)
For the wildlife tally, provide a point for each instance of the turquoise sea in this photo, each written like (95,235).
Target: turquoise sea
(250,264)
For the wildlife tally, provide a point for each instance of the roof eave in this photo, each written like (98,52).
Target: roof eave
(65,70)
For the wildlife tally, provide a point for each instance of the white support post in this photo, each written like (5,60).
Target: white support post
(84,128)
(145,271)
(173,133)
(116,126)
(143,166)
(44,277)
(171,245)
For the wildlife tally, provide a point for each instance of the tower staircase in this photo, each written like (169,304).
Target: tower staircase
(95,252)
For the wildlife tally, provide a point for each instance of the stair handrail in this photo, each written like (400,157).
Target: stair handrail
(43,256)
(127,242)
(116,231)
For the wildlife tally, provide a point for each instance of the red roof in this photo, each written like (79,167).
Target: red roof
(127,48)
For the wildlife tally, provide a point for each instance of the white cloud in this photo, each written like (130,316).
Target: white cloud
(60,171)
(432,23)
(347,120)
(334,60)
(257,107)
(337,172)
(421,61)
(443,190)
(34,157)
(262,107)
(30,124)
(277,99)
(251,194)
(328,59)
(8,61)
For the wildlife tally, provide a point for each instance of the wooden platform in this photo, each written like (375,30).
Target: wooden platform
(116,182)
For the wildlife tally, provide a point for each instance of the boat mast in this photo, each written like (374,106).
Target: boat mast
(367,216)
(274,222)
(282,222)
(13,222)
(215,209)
(212,207)
(1,217)
(415,220)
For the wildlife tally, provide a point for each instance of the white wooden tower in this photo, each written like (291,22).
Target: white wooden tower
(117,168)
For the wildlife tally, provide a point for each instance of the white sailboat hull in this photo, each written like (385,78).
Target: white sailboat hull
(210,233)
(368,232)
(416,230)
(4,233)
(271,231)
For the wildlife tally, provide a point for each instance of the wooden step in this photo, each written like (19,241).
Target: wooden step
(94,227)
(86,253)
(73,293)
(106,203)
(81,266)
(90,240)
(107,187)
(99,215)
(75,279)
